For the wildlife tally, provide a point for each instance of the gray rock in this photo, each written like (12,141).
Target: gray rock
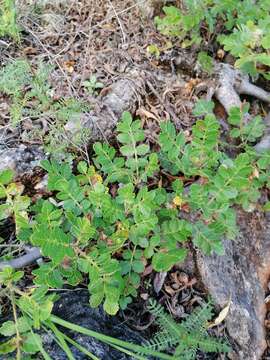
(74,306)
(149,8)
(22,159)
(120,96)
(242,274)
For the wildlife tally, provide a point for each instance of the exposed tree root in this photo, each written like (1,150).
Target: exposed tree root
(230,84)
(264,143)
(30,257)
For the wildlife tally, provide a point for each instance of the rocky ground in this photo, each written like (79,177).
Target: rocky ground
(109,38)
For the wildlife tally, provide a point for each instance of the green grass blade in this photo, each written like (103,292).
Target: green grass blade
(109,339)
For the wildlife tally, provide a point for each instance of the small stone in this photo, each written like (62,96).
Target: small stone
(21,159)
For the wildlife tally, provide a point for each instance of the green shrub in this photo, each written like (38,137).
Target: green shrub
(84,228)
(244,27)
(104,222)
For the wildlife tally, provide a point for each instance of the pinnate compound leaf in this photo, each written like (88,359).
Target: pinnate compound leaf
(207,239)
(203,107)
(54,243)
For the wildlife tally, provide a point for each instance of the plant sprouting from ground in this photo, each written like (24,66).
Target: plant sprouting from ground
(93,85)
(186,337)
(32,315)
(103,221)
(245,29)
(32,98)
(8,20)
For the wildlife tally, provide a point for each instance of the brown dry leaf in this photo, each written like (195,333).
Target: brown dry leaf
(147,271)
(220,111)
(185,207)
(30,50)
(69,66)
(188,135)
(203,180)
(175,278)
(144,296)
(222,315)
(169,290)
(220,54)
(189,86)
(108,26)
(142,112)
(255,174)
(66,262)
(183,278)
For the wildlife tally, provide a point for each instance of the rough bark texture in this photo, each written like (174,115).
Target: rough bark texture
(242,274)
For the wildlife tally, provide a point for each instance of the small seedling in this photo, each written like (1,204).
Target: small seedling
(92,85)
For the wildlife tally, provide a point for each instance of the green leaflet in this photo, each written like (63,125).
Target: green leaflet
(164,261)
(54,242)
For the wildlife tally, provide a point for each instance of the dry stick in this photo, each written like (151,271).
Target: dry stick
(112,16)
(119,22)
(245,87)
(167,108)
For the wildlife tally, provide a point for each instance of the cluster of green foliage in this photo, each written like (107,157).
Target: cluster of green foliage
(187,337)
(104,220)
(8,20)
(32,311)
(244,27)
(93,85)
(32,97)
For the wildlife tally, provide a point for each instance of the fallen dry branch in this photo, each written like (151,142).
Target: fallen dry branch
(231,83)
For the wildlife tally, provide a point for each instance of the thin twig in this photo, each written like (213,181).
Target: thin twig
(119,22)
(51,59)
(112,16)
